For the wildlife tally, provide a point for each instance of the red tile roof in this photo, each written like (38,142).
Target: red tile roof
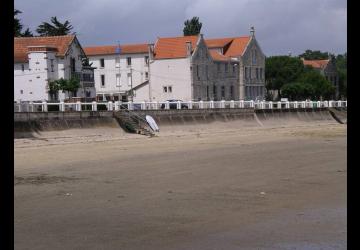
(21,44)
(318,64)
(111,49)
(173,47)
(232,46)
(216,56)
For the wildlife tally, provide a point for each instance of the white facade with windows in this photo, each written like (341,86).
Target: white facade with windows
(115,73)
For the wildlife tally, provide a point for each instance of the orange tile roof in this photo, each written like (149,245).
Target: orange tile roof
(111,49)
(216,56)
(319,64)
(61,43)
(237,46)
(173,47)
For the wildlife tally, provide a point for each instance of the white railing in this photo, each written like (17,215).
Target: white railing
(115,106)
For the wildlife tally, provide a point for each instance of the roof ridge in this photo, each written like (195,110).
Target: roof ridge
(33,37)
(178,36)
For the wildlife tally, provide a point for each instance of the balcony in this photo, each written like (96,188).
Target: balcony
(86,78)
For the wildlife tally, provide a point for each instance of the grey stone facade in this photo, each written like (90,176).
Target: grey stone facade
(236,78)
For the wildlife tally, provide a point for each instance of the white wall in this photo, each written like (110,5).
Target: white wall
(170,72)
(30,84)
(110,71)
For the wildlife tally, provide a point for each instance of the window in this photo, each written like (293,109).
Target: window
(197,72)
(21,91)
(129,79)
(170,89)
(250,73)
(118,84)
(246,73)
(207,71)
(52,65)
(165,89)
(117,62)
(226,67)
(257,73)
(254,54)
(234,68)
(146,75)
(72,64)
(102,63)
(146,60)
(218,67)
(102,81)
(215,93)
(22,67)
(261,73)
(232,92)
(223,92)
(128,61)
(207,92)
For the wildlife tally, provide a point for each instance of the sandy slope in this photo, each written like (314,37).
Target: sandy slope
(248,188)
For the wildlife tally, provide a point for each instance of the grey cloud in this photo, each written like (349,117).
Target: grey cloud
(281,25)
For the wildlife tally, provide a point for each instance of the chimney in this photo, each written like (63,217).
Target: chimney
(252,31)
(151,51)
(188,48)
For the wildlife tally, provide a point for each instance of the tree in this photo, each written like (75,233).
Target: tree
(17,25)
(53,87)
(27,33)
(321,87)
(192,27)
(69,86)
(281,70)
(297,91)
(314,55)
(55,29)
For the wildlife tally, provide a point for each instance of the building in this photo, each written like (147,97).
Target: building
(328,69)
(40,60)
(119,68)
(191,68)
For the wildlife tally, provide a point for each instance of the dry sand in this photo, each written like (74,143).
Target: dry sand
(250,188)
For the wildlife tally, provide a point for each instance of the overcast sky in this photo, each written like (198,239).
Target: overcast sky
(280,25)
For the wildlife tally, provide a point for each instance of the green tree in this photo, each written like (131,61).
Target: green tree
(297,91)
(192,27)
(54,87)
(321,87)
(314,55)
(17,25)
(70,86)
(55,28)
(27,33)
(281,70)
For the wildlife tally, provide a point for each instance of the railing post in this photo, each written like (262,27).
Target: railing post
(94,106)
(279,105)
(78,106)
(167,105)
(241,104)
(318,104)
(110,106)
(116,104)
(232,104)
(178,105)
(31,107)
(287,105)
(339,104)
(270,104)
(143,105)
(296,104)
(345,102)
(201,104)
(326,104)
(222,104)
(156,105)
(130,105)
(252,104)
(44,107)
(62,106)
(211,104)
(19,104)
(190,105)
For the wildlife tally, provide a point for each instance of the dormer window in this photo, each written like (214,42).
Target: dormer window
(254,54)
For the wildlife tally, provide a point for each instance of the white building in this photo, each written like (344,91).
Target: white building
(192,68)
(40,60)
(119,68)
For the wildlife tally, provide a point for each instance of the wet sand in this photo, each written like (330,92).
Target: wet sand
(249,188)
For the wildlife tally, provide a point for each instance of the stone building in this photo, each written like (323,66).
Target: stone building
(194,68)
(328,69)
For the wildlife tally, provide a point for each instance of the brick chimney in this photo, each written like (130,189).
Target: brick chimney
(151,51)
